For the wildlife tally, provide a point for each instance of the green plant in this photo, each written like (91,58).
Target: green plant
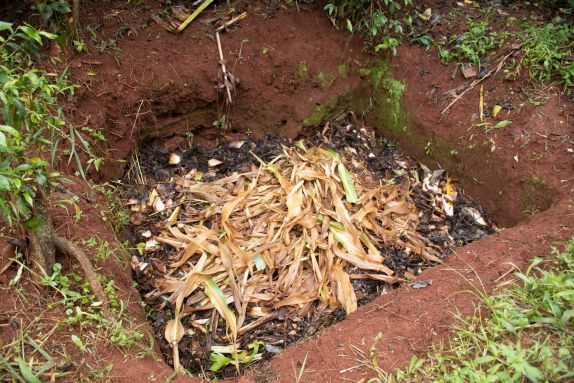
(221,122)
(219,360)
(547,52)
(53,11)
(80,46)
(33,126)
(378,20)
(83,308)
(472,45)
(24,369)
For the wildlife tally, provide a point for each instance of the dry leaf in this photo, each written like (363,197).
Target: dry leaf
(214,162)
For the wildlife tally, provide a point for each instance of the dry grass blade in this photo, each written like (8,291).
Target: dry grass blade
(345,293)
(219,301)
(173,333)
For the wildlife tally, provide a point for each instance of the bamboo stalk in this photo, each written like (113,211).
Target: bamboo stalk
(193,15)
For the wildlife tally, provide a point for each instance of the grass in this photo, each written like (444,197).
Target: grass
(524,333)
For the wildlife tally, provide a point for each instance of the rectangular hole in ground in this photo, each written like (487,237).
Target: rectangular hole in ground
(271,241)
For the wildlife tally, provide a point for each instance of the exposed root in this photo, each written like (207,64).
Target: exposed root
(67,247)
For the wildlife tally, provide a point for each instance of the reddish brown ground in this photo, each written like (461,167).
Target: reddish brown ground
(167,80)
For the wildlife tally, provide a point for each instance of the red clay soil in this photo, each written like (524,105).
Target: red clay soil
(170,80)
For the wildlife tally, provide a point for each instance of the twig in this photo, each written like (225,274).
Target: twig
(258,322)
(136,119)
(223,68)
(231,22)
(476,82)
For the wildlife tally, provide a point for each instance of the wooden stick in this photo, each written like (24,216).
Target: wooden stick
(231,22)
(476,82)
(481,104)
(259,322)
(223,68)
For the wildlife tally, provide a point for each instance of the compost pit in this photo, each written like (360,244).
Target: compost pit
(179,199)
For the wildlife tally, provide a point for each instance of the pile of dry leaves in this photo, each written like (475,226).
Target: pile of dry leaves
(291,234)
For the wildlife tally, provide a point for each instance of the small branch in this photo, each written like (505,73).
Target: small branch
(67,247)
(231,22)
(226,81)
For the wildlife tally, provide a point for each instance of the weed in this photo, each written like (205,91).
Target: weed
(378,20)
(221,123)
(82,309)
(119,216)
(324,79)
(537,196)
(547,52)
(27,368)
(472,45)
(80,46)
(428,148)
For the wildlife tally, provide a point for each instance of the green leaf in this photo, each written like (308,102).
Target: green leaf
(5,26)
(567,317)
(348,185)
(4,183)
(28,198)
(26,372)
(31,33)
(10,130)
(218,361)
(485,359)
(48,35)
(259,262)
(502,124)
(532,373)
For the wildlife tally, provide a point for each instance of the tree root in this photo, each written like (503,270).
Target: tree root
(67,247)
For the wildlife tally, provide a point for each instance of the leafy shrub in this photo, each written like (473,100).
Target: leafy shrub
(379,20)
(32,123)
(52,10)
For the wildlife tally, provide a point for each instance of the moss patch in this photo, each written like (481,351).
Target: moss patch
(321,113)
(302,70)
(388,94)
